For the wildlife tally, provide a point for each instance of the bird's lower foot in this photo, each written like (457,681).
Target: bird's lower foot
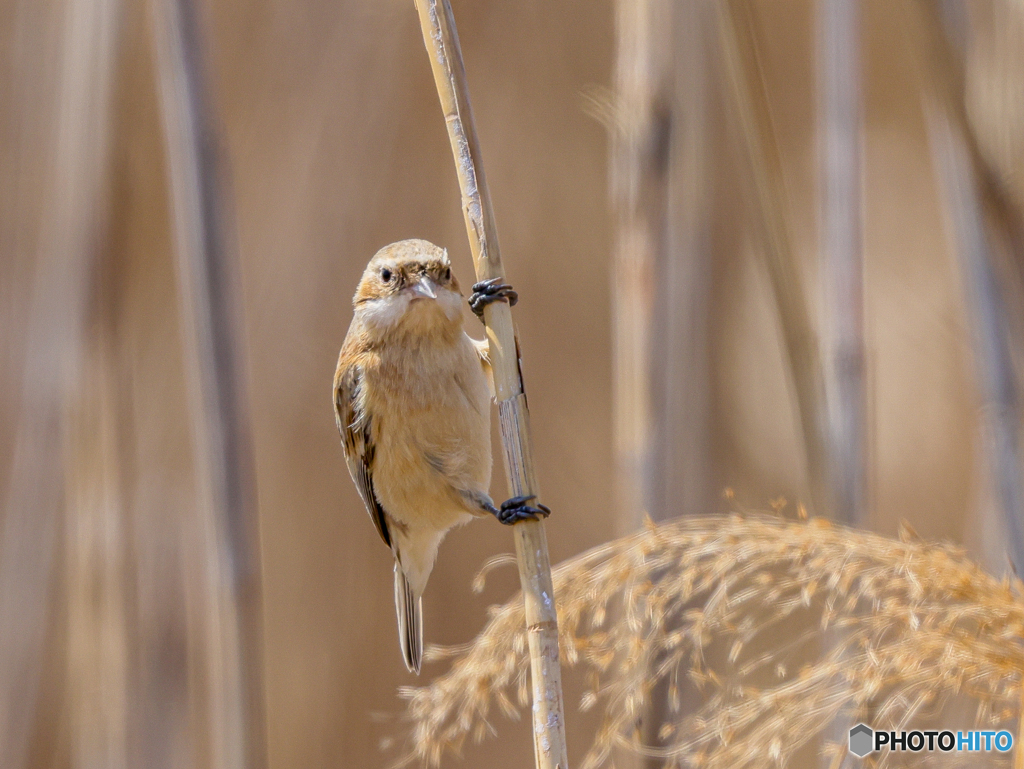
(487,291)
(516,509)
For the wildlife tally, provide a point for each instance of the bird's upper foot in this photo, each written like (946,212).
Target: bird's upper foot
(487,291)
(516,509)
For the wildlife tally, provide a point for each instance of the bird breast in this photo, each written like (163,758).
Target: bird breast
(430,411)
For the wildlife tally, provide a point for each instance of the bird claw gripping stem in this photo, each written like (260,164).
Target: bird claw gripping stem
(487,291)
(514,510)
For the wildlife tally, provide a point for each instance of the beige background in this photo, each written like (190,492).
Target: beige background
(336,146)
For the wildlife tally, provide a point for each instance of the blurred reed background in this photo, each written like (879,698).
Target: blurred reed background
(769,247)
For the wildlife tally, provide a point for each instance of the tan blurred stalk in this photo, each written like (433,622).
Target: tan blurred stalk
(222,570)
(682,468)
(989,131)
(997,380)
(53,366)
(842,264)
(842,277)
(970,190)
(97,646)
(662,272)
(746,79)
(442,43)
(661,189)
(993,105)
(640,132)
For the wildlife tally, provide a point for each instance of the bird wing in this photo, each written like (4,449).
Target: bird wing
(357,440)
(483,349)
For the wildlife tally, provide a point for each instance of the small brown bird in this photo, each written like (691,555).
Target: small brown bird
(412,402)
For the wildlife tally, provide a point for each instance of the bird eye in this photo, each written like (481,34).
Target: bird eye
(447,273)
(385,275)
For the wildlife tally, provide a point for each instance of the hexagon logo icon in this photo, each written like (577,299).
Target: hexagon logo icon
(861,739)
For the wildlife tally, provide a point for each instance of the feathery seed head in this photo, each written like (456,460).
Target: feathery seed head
(782,625)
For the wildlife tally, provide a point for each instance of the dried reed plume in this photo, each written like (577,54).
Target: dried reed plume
(910,625)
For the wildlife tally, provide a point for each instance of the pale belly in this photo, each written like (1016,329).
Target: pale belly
(432,437)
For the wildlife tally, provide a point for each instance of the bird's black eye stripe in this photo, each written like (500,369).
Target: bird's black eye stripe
(447,273)
(385,275)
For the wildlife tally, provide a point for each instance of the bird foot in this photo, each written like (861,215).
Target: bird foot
(514,510)
(487,291)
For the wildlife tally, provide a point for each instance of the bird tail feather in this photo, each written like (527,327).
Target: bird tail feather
(409,608)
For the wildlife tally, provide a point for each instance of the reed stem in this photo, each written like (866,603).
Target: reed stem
(225,614)
(442,42)
(745,76)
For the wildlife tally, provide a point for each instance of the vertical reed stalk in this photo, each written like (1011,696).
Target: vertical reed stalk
(95,547)
(842,263)
(683,477)
(442,42)
(970,193)
(75,213)
(744,73)
(638,163)
(223,582)
(992,345)
(972,190)
(661,190)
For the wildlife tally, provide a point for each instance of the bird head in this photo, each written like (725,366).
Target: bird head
(409,287)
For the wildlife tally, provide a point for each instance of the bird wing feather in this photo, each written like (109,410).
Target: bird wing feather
(357,439)
(483,349)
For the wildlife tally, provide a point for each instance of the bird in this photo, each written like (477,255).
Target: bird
(412,400)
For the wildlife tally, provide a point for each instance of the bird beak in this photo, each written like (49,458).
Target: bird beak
(424,287)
